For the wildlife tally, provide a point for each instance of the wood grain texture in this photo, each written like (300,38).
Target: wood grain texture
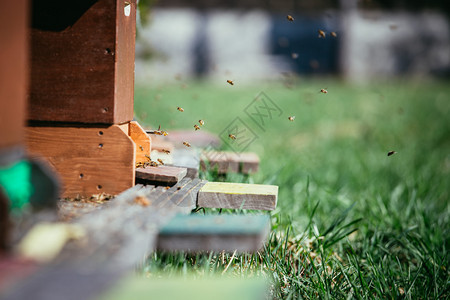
(163,175)
(238,196)
(83,72)
(243,233)
(142,141)
(13,71)
(227,161)
(90,160)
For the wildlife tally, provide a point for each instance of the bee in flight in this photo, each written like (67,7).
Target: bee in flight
(164,133)
(160,161)
(322,33)
(180,109)
(196,127)
(333,34)
(290,18)
(230,81)
(186,144)
(323,91)
(232,136)
(201,122)
(166,151)
(392,152)
(291,118)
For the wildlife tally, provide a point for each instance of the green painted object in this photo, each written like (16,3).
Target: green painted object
(215,224)
(15,181)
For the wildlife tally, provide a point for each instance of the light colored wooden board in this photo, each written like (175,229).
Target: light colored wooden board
(187,158)
(89,160)
(142,141)
(227,161)
(238,196)
(161,174)
(200,138)
(244,233)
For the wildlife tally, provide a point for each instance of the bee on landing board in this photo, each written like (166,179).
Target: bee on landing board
(232,136)
(196,127)
(392,152)
(201,122)
(291,118)
(230,82)
(180,109)
(290,18)
(186,144)
(322,33)
(323,91)
(160,161)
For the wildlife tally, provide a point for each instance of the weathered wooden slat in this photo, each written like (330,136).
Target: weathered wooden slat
(161,175)
(227,161)
(238,196)
(82,61)
(90,160)
(243,233)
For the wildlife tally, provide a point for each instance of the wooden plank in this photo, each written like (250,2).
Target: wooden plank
(161,175)
(82,61)
(243,233)
(238,196)
(13,71)
(227,161)
(187,158)
(90,160)
(142,141)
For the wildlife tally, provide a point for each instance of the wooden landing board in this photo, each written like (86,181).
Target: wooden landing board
(238,196)
(227,161)
(244,233)
(89,160)
(187,158)
(161,175)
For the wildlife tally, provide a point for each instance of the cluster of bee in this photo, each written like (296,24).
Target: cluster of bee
(160,132)
(150,162)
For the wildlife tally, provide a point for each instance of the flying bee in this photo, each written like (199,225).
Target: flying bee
(196,127)
(180,109)
(333,34)
(291,118)
(230,81)
(186,144)
(232,136)
(290,18)
(324,91)
(392,152)
(164,133)
(160,161)
(322,33)
(201,122)
(166,151)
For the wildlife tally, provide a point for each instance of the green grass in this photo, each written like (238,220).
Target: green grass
(351,222)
